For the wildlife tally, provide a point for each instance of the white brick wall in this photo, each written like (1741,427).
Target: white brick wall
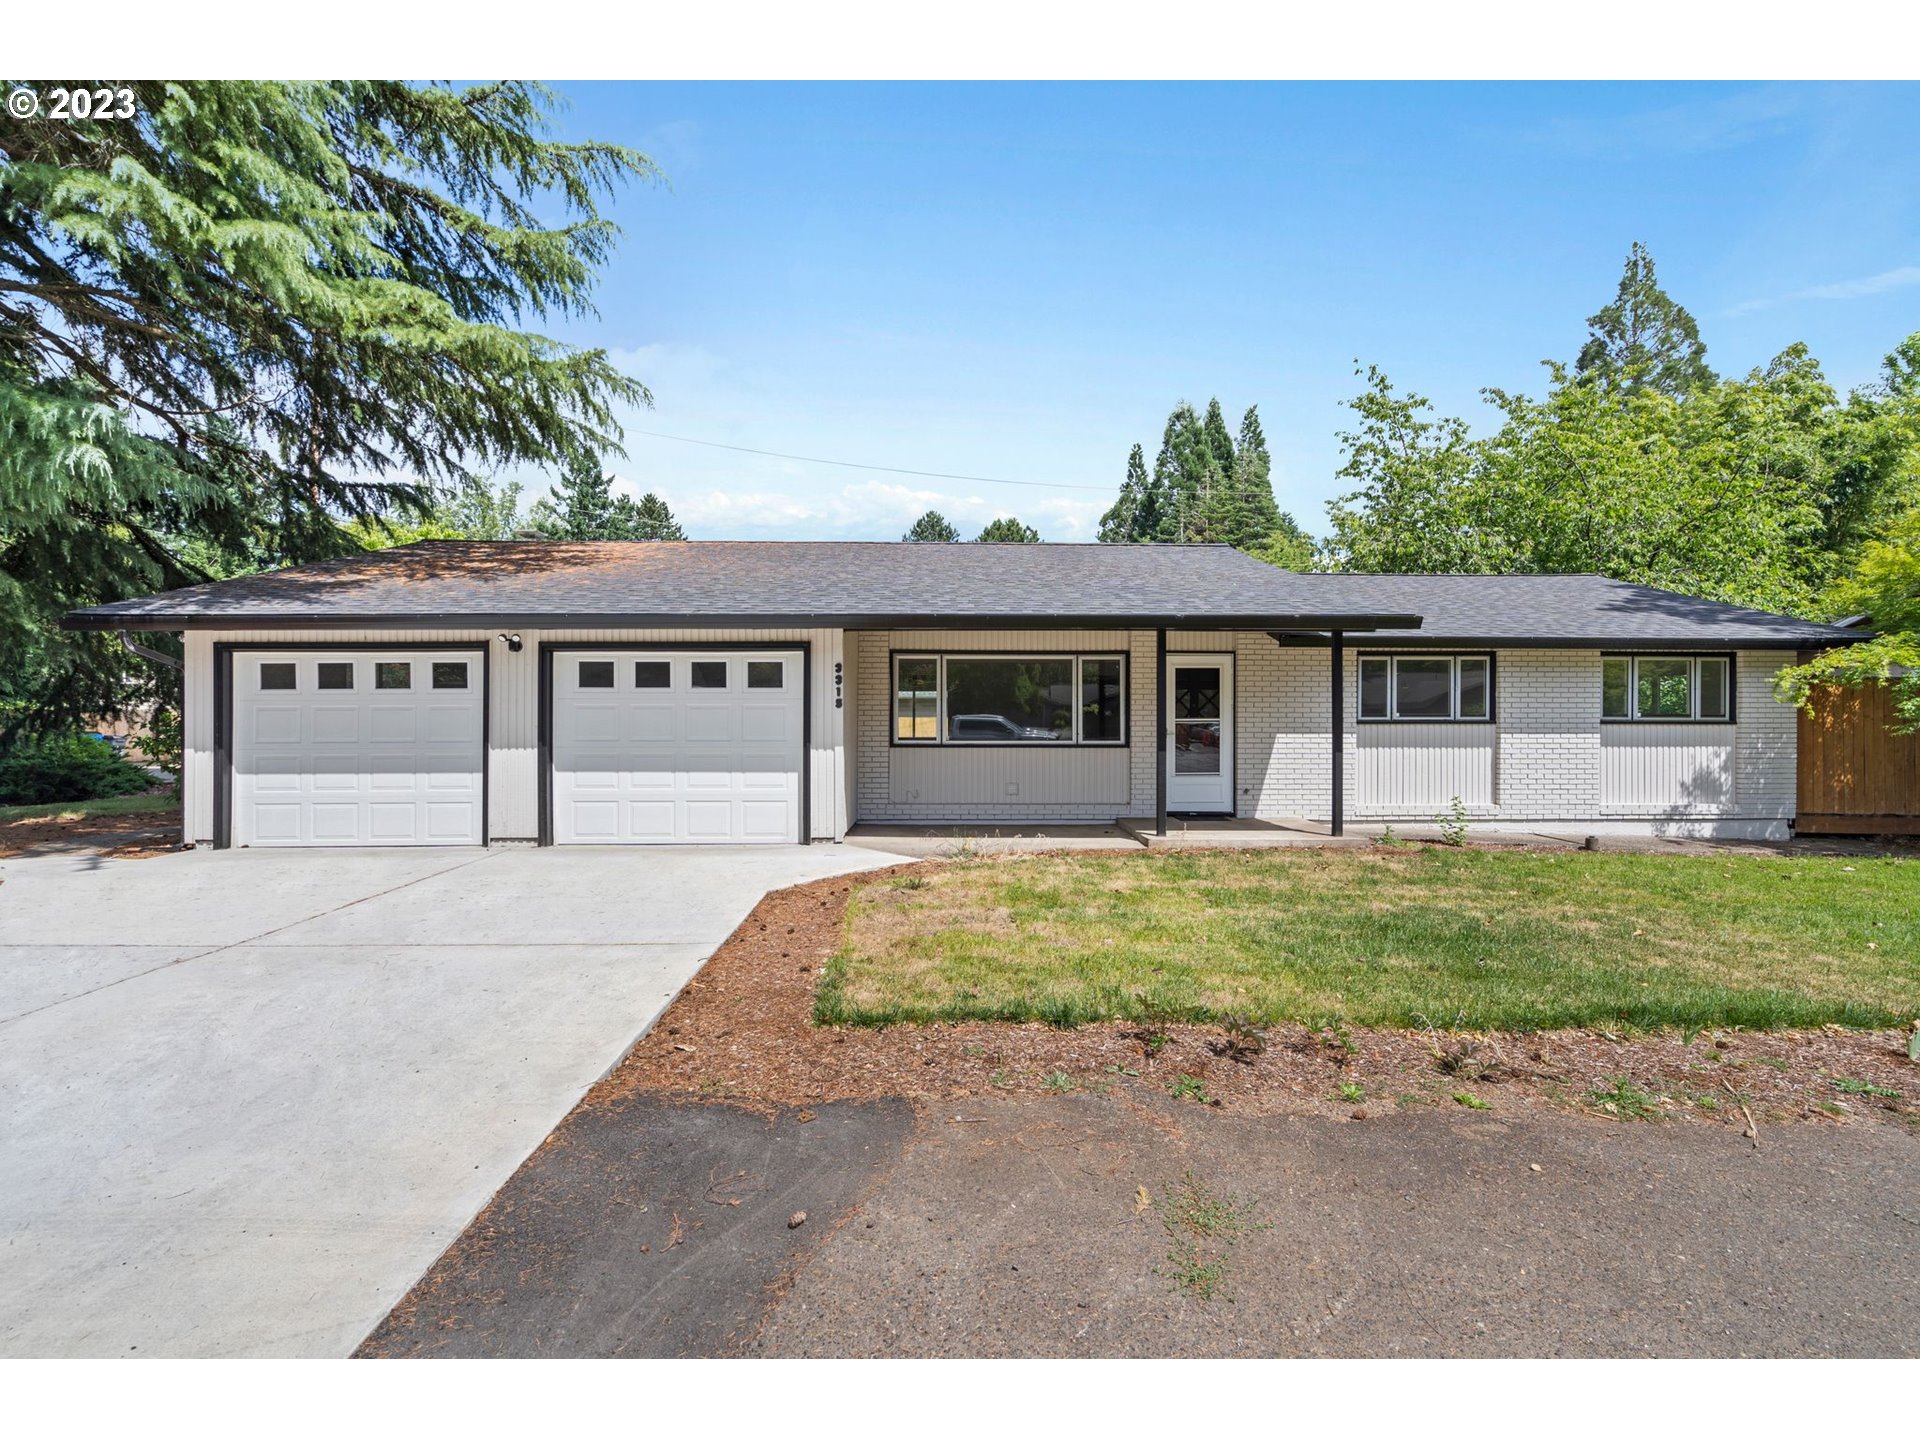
(1547,753)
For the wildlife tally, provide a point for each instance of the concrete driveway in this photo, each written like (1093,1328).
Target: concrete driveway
(247,1097)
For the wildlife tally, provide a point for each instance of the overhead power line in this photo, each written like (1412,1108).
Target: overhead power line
(883,469)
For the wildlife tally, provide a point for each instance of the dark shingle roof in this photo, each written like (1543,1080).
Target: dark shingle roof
(536,583)
(1575,609)
(848,583)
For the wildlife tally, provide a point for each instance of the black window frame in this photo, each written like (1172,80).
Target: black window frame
(1693,658)
(1076,658)
(1454,717)
(655,667)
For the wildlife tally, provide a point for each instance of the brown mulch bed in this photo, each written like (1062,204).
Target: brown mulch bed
(134,836)
(743,1031)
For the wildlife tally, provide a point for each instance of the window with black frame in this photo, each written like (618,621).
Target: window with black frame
(1426,687)
(1666,687)
(980,699)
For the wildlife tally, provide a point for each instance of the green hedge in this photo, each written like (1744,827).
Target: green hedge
(67,767)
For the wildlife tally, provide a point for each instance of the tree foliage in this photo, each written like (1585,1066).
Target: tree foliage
(1007,530)
(1884,585)
(1717,494)
(477,511)
(582,506)
(1203,486)
(932,527)
(260,312)
(1644,340)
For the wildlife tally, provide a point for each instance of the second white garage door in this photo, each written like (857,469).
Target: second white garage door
(677,747)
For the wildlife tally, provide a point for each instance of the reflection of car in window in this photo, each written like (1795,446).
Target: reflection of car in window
(993,727)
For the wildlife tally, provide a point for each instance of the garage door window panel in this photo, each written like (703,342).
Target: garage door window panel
(279,675)
(652,674)
(336,674)
(393,675)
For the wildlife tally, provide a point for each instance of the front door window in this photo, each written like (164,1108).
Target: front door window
(1196,720)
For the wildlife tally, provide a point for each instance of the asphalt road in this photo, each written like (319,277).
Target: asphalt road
(1015,1227)
(1426,1233)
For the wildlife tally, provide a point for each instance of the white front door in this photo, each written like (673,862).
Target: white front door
(677,746)
(1199,733)
(358,747)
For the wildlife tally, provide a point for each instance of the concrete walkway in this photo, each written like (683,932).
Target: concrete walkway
(247,1097)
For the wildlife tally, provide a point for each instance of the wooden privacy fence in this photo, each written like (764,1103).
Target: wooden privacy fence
(1856,776)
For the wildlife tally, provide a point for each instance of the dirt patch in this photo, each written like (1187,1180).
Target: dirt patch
(136,835)
(743,1031)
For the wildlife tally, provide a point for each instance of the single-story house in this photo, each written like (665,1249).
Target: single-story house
(466,693)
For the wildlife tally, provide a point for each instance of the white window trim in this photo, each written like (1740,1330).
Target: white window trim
(1453,715)
(1077,657)
(1693,717)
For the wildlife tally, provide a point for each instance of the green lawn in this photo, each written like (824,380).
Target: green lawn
(89,809)
(1470,939)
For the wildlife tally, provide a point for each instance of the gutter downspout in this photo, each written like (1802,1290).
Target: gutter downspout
(159,657)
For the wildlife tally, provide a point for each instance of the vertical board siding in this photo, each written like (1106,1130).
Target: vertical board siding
(960,783)
(513,765)
(1856,776)
(1413,767)
(1666,769)
(1547,758)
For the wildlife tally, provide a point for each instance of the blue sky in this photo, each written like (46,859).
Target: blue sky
(1019,281)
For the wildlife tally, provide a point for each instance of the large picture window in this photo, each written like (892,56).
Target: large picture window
(1666,687)
(972,699)
(1426,687)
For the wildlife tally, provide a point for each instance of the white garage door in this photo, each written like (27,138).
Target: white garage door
(365,747)
(677,747)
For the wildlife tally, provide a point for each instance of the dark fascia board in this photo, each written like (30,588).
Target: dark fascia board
(106,620)
(1705,645)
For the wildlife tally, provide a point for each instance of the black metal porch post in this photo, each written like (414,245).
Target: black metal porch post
(1160,733)
(1339,733)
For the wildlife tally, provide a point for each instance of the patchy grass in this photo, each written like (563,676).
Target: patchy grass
(1465,939)
(1202,1227)
(89,809)
(1625,1100)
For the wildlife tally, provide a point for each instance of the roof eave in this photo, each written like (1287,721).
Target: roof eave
(99,619)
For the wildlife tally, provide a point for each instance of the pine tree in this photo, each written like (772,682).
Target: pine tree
(1644,339)
(1258,514)
(932,527)
(1121,524)
(580,506)
(1219,442)
(647,518)
(1180,475)
(1007,530)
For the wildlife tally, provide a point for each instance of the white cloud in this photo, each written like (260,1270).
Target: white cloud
(1896,279)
